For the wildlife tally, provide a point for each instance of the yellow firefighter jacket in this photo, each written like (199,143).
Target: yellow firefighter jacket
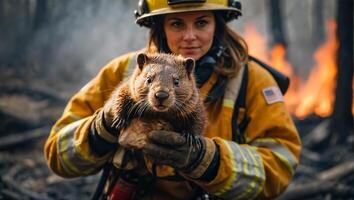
(261,168)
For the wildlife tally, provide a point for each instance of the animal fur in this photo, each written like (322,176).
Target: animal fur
(161,94)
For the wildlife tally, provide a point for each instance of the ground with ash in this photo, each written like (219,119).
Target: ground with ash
(326,170)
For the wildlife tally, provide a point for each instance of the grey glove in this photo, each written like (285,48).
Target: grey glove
(190,154)
(103,137)
(104,127)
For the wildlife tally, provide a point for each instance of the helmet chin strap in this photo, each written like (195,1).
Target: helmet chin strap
(205,65)
(204,69)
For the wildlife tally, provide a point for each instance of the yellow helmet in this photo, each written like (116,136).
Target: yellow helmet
(147,9)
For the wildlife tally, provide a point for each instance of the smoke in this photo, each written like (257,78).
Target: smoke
(83,36)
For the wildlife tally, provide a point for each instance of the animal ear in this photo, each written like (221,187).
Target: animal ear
(189,63)
(141,60)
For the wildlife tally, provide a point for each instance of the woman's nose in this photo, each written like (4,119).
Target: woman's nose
(189,34)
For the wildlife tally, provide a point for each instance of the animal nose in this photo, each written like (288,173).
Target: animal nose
(161,95)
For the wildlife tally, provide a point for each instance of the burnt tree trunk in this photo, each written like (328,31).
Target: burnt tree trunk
(41,14)
(15,33)
(342,119)
(2,27)
(276,21)
(318,31)
(28,16)
(2,15)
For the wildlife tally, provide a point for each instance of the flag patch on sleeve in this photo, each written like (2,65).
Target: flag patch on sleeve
(273,95)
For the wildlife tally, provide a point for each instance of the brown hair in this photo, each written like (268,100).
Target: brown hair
(234,55)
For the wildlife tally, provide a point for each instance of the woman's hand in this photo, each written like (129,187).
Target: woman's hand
(104,127)
(187,153)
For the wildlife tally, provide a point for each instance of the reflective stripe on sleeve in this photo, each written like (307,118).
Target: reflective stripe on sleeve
(71,158)
(229,103)
(70,117)
(279,150)
(248,176)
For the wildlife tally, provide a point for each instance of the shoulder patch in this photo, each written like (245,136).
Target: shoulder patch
(272,95)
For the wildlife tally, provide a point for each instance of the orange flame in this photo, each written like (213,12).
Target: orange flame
(316,95)
(318,92)
(256,42)
(278,60)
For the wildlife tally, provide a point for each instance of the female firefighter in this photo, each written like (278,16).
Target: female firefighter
(250,148)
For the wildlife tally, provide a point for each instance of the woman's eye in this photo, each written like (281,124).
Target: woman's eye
(176,24)
(176,82)
(201,23)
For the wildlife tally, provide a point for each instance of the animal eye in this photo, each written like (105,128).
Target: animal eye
(148,80)
(176,82)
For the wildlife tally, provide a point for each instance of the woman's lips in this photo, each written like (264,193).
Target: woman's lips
(189,50)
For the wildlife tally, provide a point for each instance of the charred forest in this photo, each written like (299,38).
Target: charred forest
(51,49)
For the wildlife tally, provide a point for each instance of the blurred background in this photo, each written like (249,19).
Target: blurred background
(50,49)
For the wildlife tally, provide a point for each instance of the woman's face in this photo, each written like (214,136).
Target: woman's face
(190,34)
